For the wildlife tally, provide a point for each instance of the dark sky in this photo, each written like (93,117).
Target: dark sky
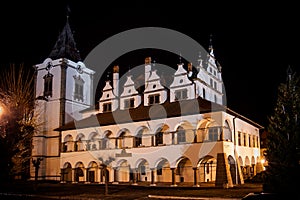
(254,43)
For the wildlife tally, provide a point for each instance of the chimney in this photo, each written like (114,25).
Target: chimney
(147,69)
(116,80)
(190,69)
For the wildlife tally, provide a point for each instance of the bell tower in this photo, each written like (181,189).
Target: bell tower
(63,88)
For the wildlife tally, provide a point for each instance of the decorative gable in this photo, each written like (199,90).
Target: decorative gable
(130,97)
(181,88)
(108,101)
(154,92)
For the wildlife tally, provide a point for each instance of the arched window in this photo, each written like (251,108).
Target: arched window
(181,137)
(159,138)
(138,138)
(227,132)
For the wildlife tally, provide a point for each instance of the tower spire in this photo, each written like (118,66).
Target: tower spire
(65,46)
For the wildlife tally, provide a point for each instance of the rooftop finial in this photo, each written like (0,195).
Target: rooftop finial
(289,72)
(180,59)
(210,42)
(68,11)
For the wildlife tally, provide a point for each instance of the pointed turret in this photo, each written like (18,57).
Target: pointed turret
(65,46)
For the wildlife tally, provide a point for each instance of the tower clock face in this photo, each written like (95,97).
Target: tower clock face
(49,66)
(79,69)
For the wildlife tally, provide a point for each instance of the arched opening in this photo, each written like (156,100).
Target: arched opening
(79,172)
(143,171)
(163,171)
(138,138)
(181,137)
(227,133)
(123,171)
(184,171)
(66,175)
(207,169)
(246,168)
(92,172)
(124,139)
(104,141)
(79,146)
(159,135)
(233,169)
(201,133)
(92,141)
(67,145)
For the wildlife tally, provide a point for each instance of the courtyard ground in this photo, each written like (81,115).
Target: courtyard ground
(47,191)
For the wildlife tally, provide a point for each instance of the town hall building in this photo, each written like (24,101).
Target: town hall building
(181,133)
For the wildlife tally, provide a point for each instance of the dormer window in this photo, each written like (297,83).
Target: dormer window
(48,81)
(78,91)
(181,94)
(129,103)
(107,107)
(154,99)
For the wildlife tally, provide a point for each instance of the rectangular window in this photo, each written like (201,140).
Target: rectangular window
(211,83)
(48,79)
(245,139)
(107,107)
(181,95)
(129,103)
(215,85)
(78,88)
(154,99)
(239,139)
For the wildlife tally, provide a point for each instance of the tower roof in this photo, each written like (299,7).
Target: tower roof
(65,46)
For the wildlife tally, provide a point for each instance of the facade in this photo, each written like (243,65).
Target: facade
(181,133)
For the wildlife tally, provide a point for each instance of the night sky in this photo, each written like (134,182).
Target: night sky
(254,43)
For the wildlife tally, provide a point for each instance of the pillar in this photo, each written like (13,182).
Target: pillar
(134,171)
(195,177)
(73,175)
(223,175)
(115,175)
(152,177)
(173,177)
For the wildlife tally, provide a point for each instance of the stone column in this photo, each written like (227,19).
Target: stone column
(115,175)
(223,176)
(173,177)
(195,178)
(134,171)
(152,177)
(73,175)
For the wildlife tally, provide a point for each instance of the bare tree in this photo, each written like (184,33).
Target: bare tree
(18,121)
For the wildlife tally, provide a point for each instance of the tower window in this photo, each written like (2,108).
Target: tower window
(48,79)
(154,99)
(211,82)
(215,85)
(129,103)
(107,107)
(181,95)
(78,91)
(203,91)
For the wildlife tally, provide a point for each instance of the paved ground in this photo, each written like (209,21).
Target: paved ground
(48,191)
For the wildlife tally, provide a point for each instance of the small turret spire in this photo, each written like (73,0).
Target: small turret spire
(210,48)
